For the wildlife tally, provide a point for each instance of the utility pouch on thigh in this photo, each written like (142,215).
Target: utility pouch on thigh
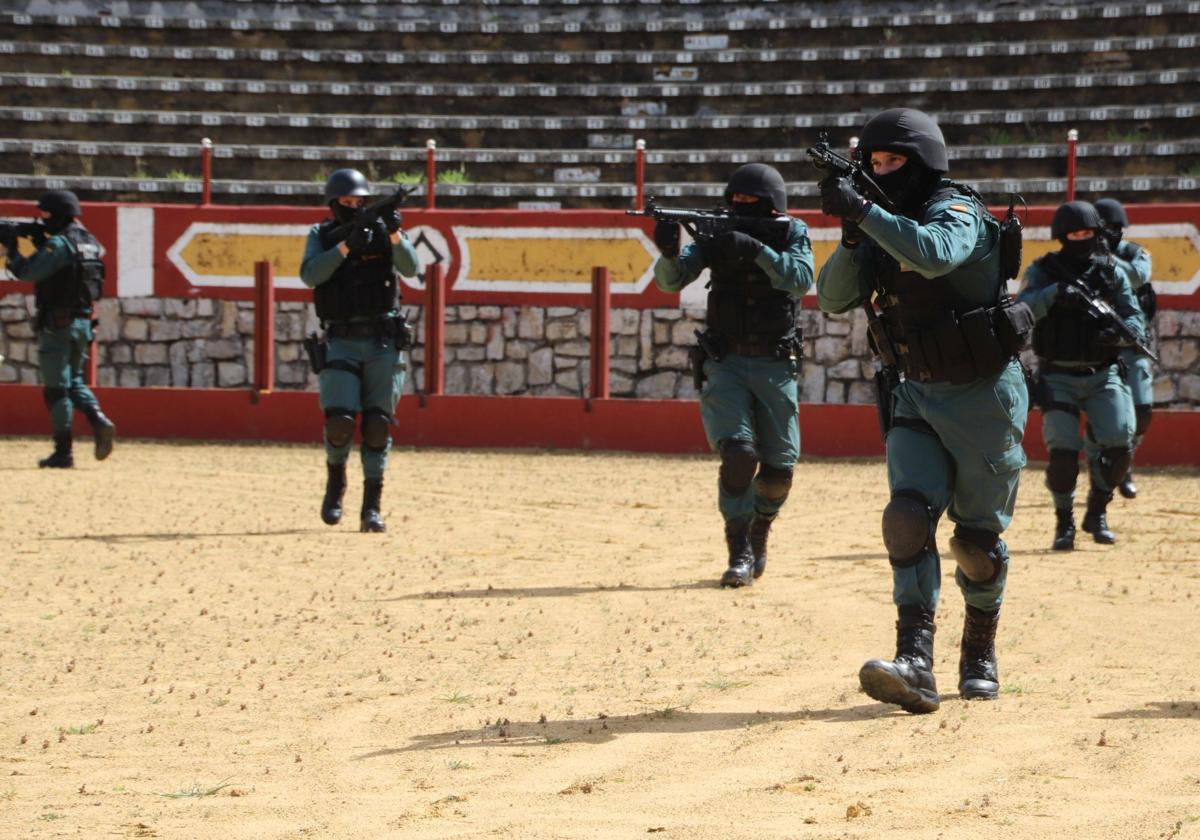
(315,348)
(402,331)
(884,384)
(1014,326)
(696,357)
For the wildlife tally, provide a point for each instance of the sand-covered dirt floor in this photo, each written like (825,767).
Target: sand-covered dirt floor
(537,649)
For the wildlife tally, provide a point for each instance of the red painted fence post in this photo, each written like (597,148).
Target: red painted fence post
(600,333)
(435,330)
(639,174)
(206,147)
(430,172)
(264,326)
(1072,142)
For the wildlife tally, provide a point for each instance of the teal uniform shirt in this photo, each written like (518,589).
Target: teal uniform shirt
(362,373)
(62,350)
(1139,370)
(751,398)
(956,445)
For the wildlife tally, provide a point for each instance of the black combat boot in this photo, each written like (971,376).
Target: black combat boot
(741,555)
(371,519)
(977,677)
(907,680)
(335,489)
(1095,519)
(1064,530)
(760,529)
(61,458)
(1127,487)
(103,429)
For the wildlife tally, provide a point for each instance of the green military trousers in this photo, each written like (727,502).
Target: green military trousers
(959,446)
(755,399)
(62,355)
(362,374)
(1104,397)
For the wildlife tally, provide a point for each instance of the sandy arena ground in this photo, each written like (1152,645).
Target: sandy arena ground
(537,649)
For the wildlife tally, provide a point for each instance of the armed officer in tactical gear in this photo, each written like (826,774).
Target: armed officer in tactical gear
(954,406)
(1139,371)
(360,362)
(749,355)
(1078,367)
(67,271)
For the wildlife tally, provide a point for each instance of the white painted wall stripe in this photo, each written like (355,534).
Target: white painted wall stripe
(135,251)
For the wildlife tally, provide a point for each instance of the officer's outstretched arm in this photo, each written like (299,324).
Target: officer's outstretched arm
(47,261)
(404,256)
(944,242)
(1038,291)
(792,270)
(845,280)
(671,275)
(319,262)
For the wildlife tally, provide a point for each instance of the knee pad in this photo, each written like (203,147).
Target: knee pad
(974,551)
(739,461)
(1062,471)
(1144,414)
(339,427)
(774,483)
(1114,464)
(909,523)
(375,429)
(52,395)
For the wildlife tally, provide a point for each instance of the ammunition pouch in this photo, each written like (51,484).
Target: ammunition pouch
(885,383)
(315,348)
(696,357)
(963,348)
(1148,300)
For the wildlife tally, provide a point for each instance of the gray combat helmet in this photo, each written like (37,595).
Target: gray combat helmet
(760,180)
(344,182)
(1072,216)
(62,205)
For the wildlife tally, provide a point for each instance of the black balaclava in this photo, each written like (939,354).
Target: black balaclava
(341,183)
(1073,216)
(1113,220)
(760,180)
(63,207)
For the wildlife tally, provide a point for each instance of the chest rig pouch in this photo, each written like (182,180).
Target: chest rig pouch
(746,314)
(73,289)
(1072,335)
(935,336)
(364,286)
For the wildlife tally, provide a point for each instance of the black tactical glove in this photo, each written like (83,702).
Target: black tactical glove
(393,220)
(1110,337)
(39,236)
(851,234)
(1070,297)
(742,245)
(666,237)
(10,243)
(840,198)
(359,238)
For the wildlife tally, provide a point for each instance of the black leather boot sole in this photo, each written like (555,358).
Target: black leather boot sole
(104,441)
(881,681)
(976,689)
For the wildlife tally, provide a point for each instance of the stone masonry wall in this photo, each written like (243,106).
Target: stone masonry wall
(492,349)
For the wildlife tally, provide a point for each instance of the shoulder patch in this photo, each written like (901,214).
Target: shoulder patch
(961,208)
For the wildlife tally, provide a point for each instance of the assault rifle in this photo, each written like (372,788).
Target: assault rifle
(367,215)
(830,162)
(1103,312)
(706,225)
(11,231)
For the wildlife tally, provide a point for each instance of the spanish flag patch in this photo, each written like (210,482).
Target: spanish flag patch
(961,208)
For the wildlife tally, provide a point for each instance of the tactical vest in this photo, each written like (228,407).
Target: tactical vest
(1068,335)
(744,310)
(77,286)
(363,286)
(937,335)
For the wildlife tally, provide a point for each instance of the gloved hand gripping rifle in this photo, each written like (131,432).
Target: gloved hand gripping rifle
(367,215)
(1103,312)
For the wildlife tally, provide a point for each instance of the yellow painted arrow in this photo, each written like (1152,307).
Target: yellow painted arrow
(234,254)
(552,259)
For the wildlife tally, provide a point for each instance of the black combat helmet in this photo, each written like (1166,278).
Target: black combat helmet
(760,180)
(62,205)
(908,132)
(1072,216)
(1113,220)
(344,182)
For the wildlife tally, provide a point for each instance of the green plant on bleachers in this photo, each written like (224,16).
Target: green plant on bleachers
(1115,135)
(453,176)
(41,169)
(406,177)
(87,165)
(320,176)
(999,137)
(178,175)
(1192,170)
(139,172)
